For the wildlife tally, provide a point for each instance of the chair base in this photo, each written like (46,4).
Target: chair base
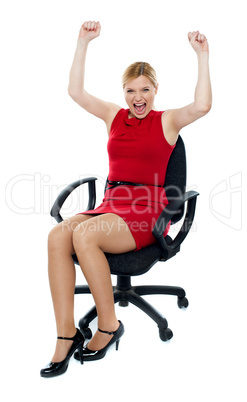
(124,293)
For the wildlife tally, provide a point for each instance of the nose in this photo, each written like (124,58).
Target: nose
(138,97)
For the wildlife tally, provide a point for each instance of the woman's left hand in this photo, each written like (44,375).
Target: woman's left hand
(198,42)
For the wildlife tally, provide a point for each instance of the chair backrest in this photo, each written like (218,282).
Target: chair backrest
(175,181)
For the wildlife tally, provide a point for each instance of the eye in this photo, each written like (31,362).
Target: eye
(130,91)
(145,89)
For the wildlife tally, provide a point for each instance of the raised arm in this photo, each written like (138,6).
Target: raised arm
(174,120)
(99,108)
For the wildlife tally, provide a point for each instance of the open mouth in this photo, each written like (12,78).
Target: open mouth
(140,108)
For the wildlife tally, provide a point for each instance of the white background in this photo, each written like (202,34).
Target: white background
(48,142)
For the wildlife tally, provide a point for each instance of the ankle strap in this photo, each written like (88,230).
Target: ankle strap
(68,339)
(106,332)
(64,337)
(110,332)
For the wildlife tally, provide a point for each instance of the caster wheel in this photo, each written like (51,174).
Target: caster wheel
(183,302)
(165,334)
(123,303)
(87,333)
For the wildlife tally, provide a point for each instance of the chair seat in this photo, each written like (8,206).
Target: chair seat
(134,262)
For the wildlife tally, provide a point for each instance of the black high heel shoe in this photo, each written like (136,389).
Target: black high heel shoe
(90,355)
(54,369)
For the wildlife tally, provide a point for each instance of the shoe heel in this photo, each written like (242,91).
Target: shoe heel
(80,351)
(117,344)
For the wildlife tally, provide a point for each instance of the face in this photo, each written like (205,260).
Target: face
(139,95)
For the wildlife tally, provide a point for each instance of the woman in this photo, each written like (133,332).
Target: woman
(140,143)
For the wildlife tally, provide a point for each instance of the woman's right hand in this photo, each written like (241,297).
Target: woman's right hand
(89,30)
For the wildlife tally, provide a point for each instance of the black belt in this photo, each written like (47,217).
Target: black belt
(128,183)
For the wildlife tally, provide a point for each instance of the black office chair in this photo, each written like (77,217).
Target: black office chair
(139,262)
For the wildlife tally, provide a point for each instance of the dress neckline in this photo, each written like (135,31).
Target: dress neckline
(132,121)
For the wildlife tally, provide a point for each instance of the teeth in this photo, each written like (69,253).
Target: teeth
(139,104)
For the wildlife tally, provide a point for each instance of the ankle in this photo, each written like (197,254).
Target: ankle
(66,331)
(109,326)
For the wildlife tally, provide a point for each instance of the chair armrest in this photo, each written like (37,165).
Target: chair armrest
(168,212)
(55,211)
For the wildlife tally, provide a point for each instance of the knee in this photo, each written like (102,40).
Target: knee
(53,238)
(83,237)
(56,237)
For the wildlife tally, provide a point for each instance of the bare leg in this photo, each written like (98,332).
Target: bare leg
(103,233)
(61,271)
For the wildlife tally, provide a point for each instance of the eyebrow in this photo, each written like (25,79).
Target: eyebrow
(147,86)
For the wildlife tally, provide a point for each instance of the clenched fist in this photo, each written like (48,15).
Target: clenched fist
(89,30)
(198,42)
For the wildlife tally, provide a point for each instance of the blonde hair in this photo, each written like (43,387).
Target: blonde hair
(137,69)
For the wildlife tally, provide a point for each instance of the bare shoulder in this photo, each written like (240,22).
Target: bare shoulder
(170,131)
(113,110)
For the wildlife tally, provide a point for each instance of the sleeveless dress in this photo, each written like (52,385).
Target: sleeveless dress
(138,152)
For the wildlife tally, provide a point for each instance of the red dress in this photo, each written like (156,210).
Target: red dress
(138,152)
